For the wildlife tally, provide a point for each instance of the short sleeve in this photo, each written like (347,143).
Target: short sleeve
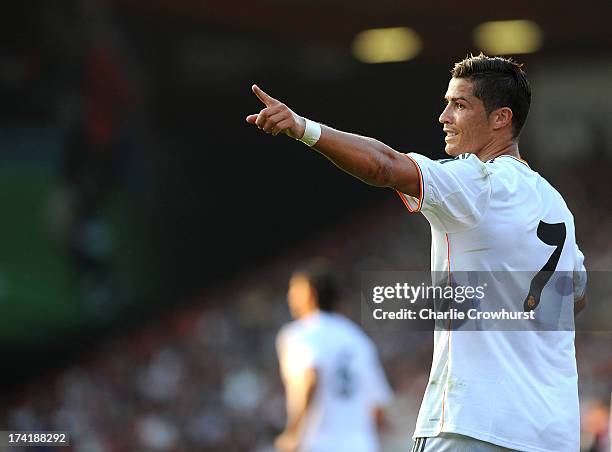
(454,193)
(580,275)
(295,354)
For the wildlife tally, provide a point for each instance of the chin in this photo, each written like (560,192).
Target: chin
(451,150)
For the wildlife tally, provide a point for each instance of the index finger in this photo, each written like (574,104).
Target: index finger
(266,99)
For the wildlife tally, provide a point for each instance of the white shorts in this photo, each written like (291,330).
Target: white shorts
(452,442)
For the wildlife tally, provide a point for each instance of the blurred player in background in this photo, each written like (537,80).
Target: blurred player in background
(335,386)
(488,211)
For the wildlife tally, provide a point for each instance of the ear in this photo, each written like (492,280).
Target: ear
(500,118)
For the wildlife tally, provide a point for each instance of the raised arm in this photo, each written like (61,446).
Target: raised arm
(366,158)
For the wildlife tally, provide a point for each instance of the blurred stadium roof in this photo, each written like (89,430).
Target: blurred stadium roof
(445,25)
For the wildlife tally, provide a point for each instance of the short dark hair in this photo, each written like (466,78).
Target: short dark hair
(320,275)
(498,82)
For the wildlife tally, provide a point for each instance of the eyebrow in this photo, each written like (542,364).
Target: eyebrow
(454,99)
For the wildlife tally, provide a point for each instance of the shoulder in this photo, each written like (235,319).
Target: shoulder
(509,167)
(511,174)
(454,192)
(464,169)
(353,332)
(290,331)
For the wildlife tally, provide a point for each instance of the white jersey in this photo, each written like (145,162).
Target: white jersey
(350,381)
(516,389)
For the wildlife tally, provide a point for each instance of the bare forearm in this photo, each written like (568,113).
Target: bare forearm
(296,417)
(365,158)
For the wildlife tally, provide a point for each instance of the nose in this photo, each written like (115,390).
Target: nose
(445,117)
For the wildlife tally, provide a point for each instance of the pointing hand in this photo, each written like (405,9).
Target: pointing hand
(276,117)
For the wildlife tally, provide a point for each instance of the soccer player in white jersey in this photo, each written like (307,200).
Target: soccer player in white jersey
(488,211)
(335,386)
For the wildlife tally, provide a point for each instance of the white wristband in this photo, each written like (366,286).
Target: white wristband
(312,133)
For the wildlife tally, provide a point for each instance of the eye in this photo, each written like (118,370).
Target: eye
(459,106)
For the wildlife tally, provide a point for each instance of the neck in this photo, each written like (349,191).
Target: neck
(309,313)
(492,150)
